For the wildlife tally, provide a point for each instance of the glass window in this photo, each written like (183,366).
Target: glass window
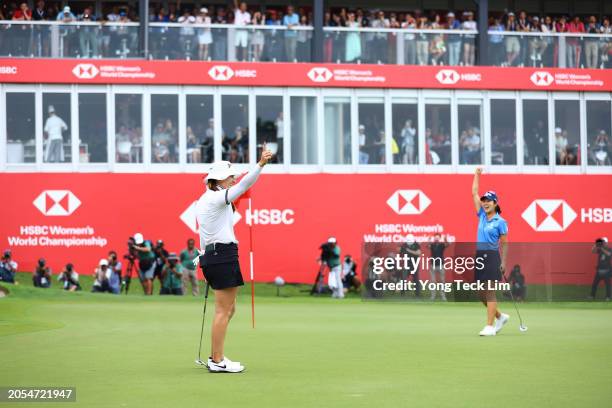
(535,131)
(270,126)
(164,128)
(56,130)
(405,147)
(371,131)
(337,131)
(567,132)
(92,128)
(598,132)
(304,141)
(235,124)
(437,133)
(128,128)
(470,140)
(20,127)
(200,129)
(503,131)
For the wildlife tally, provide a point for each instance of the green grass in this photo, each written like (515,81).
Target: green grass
(133,351)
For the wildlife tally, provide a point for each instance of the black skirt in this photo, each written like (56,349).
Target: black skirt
(221,267)
(490,271)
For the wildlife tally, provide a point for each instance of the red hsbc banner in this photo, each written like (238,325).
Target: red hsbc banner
(78,217)
(15,70)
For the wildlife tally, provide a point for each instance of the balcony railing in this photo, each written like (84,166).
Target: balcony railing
(226,42)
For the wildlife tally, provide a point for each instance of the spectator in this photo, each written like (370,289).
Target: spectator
(54,126)
(349,275)
(187,34)
(124,36)
(523,26)
(88,35)
(102,275)
(560,145)
(600,154)
(172,277)
(408,143)
(412,250)
(208,143)
(436,268)
(513,46)
(160,140)
(353,40)
(115,266)
(547,43)
(189,269)
(69,279)
(591,44)
(22,31)
(516,279)
(437,49)
(453,40)
(469,45)
(161,257)
(242,18)
(42,275)
(573,43)
(146,262)
(331,257)
(364,156)
(40,13)
(193,147)
(304,38)
(219,36)
(258,38)
(606,44)
(379,42)
(604,267)
(422,43)
(109,33)
(8,267)
(204,35)
(470,146)
(497,42)
(291,20)
(409,40)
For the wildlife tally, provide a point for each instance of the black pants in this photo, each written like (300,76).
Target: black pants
(599,277)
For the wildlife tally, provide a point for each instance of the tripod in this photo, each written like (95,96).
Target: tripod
(317,287)
(125,283)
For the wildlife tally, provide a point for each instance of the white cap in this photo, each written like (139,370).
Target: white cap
(331,240)
(220,170)
(103,262)
(450,14)
(67,9)
(558,130)
(203,10)
(51,109)
(605,239)
(361,127)
(138,238)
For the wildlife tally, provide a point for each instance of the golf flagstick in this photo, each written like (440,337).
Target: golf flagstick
(251,263)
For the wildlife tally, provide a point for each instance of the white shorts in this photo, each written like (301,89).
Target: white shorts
(242,38)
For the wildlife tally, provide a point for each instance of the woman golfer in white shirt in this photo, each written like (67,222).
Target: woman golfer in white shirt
(220,260)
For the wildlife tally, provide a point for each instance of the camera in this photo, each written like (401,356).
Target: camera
(327,251)
(131,255)
(600,242)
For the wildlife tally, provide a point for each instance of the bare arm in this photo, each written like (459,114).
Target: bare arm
(247,181)
(475,187)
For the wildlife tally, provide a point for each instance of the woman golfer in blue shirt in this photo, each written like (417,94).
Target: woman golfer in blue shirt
(492,231)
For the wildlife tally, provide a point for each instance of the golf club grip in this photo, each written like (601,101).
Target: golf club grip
(206,290)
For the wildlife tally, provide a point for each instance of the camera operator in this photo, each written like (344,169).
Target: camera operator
(189,272)
(102,276)
(114,264)
(436,267)
(349,275)
(8,267)
(161,255)
(172,276)
(146,262)
(517,283)
(42,275)
(604,268)
(412,249)
(330,256)
(69,278)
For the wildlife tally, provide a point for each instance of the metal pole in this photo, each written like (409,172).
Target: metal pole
(317,38)
(143,28)
(483,29)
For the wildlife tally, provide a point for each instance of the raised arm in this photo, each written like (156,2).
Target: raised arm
(247,181)
(475,187)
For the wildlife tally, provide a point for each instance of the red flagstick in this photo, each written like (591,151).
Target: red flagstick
(251,263)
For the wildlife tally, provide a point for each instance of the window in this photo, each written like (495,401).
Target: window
(567,132)
(503,131)
(337,124)
(20,127)
(164,129)
(128,128)
(535,131)
(371,131)
(304,141)
(200,129)
(405,124)
(470,135)
(92,128)
(270,126)
(437,133)
(56,129)
(598,132)
(235,125)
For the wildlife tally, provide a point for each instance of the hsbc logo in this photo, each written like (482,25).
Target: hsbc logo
(221,73)
(549,215)
(56,202)
(407,202)
(189,217)
(542,78)
(320,74)
(448,76)
(85,71)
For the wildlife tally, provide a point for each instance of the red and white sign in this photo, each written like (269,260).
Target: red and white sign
(292,214)
(19,70)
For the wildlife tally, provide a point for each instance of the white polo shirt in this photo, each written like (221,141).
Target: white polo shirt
(54,127)
(242,18)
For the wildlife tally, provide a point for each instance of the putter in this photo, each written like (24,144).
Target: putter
(522,327)
(198,360)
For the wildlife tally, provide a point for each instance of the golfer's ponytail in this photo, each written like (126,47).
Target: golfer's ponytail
(498,208)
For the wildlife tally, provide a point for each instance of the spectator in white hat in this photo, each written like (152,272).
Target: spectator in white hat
(54,126)
(560,144)
(335,269)
(102,276)
(204,34)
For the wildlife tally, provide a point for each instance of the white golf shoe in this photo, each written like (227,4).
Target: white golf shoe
(487,331)
(224,366)
(500,323)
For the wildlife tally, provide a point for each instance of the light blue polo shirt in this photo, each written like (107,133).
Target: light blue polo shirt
(489,231)
(293,19)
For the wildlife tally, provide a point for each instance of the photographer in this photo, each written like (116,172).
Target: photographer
(412,249)
(189,272)
(8,267)
(330,256)
(604,269)
(436,267)
(160,260)
(69,278)
(42,275)
(115,267)
(349,275)
(517,283)
(146,262)
(102,276)
(172,276)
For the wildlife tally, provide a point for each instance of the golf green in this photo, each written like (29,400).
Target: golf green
(132,351)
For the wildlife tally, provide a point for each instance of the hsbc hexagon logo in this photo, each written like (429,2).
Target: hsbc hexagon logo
(448,76)
(85,71)
(320,74)
(549,215)
(189,217)
(406,202)
(57,202)
(221,73)
(542,78)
